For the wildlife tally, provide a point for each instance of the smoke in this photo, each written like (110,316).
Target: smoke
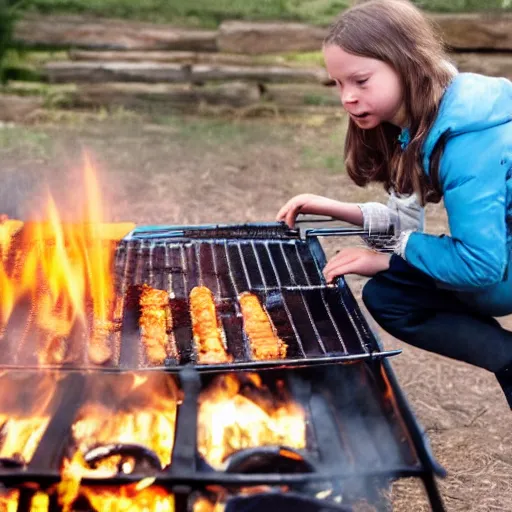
(25,192)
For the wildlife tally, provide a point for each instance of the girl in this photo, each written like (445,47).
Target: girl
(425,132)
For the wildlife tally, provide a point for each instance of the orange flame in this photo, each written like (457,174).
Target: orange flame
(202,504)
(138,497)
(233,417)
(152,499)
(7,230)
(64,272)
(144,414)
(24,416)
(9,500)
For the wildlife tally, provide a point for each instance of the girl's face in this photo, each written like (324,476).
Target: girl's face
(370,89)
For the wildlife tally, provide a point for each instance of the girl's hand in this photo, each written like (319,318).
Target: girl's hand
(303,203)
(356,260)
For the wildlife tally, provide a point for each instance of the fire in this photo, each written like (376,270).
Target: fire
(24,414)
(7,230)
(204,505)
(58,277)
(240,412)
(9,500)
(129,498)
(143,414)
(24,417)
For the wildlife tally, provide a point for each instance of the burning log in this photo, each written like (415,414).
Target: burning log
(208,337)
(265,344)
(155,322)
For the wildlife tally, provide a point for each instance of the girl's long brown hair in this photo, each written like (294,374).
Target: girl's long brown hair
(396,32)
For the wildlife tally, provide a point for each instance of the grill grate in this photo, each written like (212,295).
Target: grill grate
(318,322)
(309,315)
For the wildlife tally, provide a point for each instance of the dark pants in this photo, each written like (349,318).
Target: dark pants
(408,304)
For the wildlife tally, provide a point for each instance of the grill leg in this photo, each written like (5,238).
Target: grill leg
(504,377)
(181,502)
(24,502)
(436,502)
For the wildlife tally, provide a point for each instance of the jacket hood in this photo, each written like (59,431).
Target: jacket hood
(471,103)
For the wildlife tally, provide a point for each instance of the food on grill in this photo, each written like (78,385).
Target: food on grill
(208,336)
(265,344)
(55,351)
(155,322)
(99,350)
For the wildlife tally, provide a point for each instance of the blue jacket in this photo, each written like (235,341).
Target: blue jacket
(475,174)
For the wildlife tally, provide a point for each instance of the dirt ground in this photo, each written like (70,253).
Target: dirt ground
(203,171)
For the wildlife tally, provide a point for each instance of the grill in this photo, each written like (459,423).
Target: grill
(359,430)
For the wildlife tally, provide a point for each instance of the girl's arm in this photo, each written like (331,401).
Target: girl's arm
(319,205)
(401,213)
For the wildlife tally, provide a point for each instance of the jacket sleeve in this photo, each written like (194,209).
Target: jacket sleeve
(473,178)
(401,213)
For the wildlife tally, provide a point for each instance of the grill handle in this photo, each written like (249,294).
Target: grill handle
(380,241)
(336,230)
(303,218)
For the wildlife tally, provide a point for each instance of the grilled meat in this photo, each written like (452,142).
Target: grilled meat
(205,326)
(155,322)
(99,350)
(265,344)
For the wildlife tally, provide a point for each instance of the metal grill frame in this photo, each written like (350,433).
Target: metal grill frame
(183,476)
